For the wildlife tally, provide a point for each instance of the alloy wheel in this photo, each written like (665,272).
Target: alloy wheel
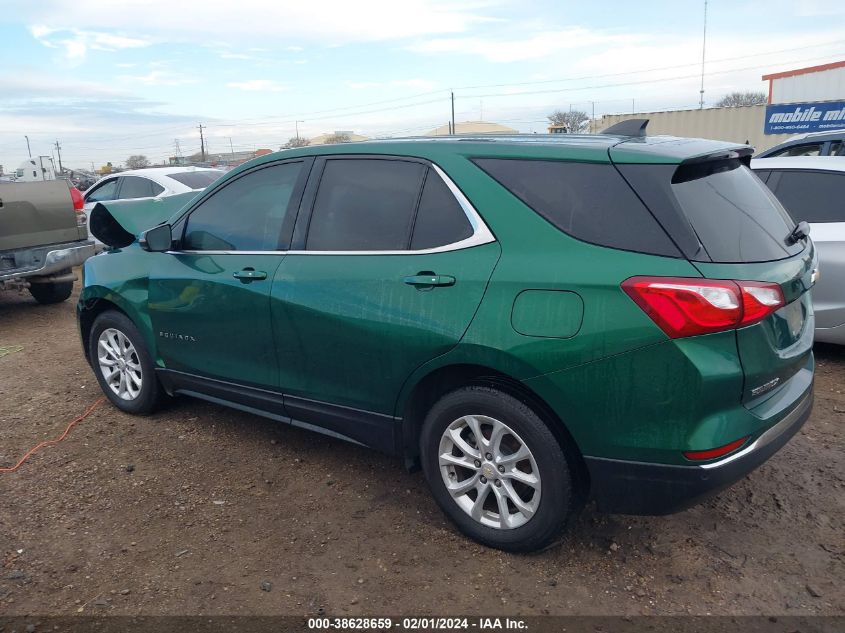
(119,364)
(489,471)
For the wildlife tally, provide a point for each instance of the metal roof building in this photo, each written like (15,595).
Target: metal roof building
(815,83)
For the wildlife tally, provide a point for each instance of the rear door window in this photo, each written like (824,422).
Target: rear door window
(589,201)
(814,196)
(365,205)
(138,187)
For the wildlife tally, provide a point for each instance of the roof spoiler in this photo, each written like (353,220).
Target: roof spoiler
(629,127)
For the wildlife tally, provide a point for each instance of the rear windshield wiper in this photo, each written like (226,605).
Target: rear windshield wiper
(800,232)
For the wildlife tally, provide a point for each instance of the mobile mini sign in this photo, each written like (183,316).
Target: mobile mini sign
(790,118)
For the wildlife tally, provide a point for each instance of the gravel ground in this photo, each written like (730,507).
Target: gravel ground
(204,510)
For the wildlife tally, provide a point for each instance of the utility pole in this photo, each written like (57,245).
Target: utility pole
(703,49)
(28,151)
(59,152)
(202,143)
(592,120)
(453,112)
(232,149)
(297,128)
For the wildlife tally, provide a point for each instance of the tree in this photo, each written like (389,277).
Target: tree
(137,161)
(576,121)
(296,142)
(337,138)
(736,99)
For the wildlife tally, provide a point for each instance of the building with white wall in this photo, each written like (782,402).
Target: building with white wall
(816,83)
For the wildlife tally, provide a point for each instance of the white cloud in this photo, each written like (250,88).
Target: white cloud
(416,84)
(329,22)
(361,85)
(536,46)
(227,55)
(258,85)
(76,43)
(159,78)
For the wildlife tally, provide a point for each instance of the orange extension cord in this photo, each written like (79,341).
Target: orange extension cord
(31,451)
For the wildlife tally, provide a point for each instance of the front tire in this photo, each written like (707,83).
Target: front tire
(496,470)
(122,364)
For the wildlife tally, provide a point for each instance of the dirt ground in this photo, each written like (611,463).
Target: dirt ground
(204,510)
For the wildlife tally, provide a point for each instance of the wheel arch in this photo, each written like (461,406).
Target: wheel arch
(437,383)
(93,303)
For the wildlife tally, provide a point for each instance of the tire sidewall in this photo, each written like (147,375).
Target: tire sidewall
(149,395)
(556,499)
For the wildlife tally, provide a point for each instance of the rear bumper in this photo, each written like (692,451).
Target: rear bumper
(628,487)
(46,260)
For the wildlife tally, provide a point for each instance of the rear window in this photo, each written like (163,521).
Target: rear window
(196,179)
(813,196)
(716,211)
(736,217)
(589,201)
(132,187)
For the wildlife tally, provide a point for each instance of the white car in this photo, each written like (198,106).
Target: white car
(154,182)
(812,188)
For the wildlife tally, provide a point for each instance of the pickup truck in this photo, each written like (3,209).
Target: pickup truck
(43,234)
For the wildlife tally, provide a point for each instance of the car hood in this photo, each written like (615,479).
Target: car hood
(120,222)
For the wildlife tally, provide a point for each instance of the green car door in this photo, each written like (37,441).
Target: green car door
(209,299)
(391,263)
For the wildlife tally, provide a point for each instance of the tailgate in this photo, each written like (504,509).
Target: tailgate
(35,214)
(777,348)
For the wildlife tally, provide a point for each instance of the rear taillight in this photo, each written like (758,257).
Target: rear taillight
(78,205)
(687,307)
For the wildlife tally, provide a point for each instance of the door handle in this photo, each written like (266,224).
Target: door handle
(430,279)
(249,274)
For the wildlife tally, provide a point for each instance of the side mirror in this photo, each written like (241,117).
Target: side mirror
(157,239)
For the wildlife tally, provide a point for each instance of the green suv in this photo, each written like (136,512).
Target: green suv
(536,321)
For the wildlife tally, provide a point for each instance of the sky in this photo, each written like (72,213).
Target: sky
(108,79)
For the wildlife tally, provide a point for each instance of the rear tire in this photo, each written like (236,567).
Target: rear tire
(56,292)
(122,364)
(512,488)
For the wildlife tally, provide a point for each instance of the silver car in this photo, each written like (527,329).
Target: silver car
(812,188)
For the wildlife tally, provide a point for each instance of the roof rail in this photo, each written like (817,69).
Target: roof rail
(629,127)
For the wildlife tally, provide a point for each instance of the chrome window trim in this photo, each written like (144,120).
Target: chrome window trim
(481,234)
